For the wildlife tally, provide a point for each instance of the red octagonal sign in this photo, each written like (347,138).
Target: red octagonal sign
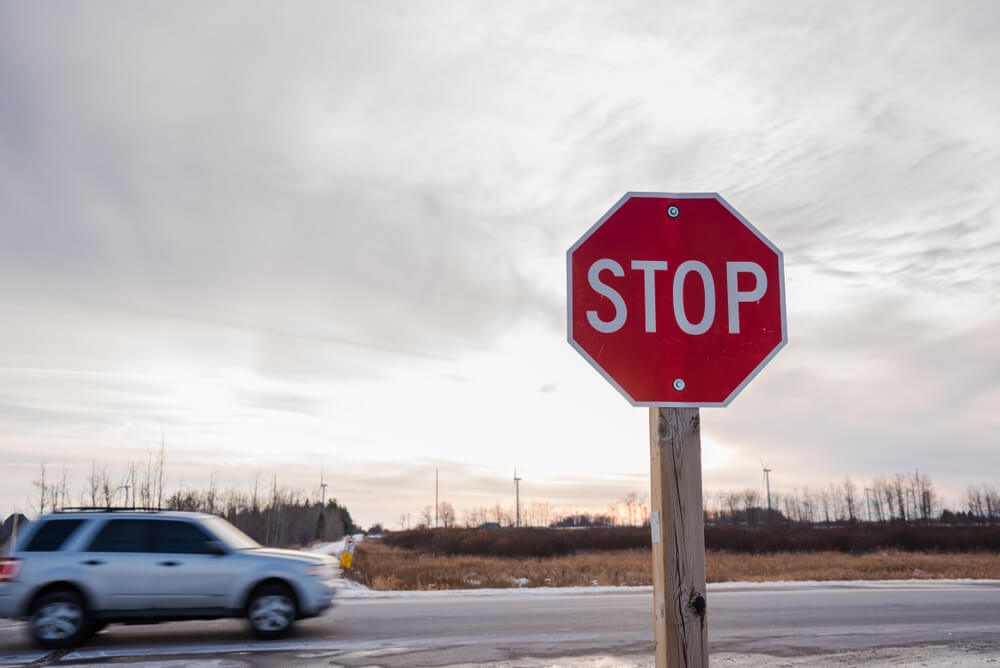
(676,299)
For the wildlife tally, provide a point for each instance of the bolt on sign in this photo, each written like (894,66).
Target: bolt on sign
(678,301)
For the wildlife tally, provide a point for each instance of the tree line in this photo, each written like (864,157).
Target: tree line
(269,514)
(896,499)
(901,498)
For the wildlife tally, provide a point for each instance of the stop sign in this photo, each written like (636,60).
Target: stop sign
(676,299)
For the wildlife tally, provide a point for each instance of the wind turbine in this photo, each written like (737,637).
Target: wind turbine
(767,486)
(322,487)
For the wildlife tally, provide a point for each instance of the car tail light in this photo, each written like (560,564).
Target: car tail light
(9,568)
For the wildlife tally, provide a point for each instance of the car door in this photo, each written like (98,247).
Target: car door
(188,573)
(117,564)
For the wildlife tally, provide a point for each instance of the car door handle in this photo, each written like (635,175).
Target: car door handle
(92,562)
(169,563)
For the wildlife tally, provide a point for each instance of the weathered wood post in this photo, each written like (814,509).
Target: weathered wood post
(678,534)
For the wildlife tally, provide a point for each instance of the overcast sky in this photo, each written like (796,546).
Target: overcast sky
(281,236)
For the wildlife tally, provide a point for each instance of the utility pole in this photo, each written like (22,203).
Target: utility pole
(767,485)
(868,502)
(517,499)
(126,487)
(435,498)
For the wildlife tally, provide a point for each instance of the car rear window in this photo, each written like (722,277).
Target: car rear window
(51,535)
(124,536)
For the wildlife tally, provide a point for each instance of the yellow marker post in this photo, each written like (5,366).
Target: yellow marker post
(347,555)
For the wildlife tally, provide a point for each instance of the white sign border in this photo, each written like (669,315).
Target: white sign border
(569,299)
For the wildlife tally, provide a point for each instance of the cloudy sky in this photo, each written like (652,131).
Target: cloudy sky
(280,236)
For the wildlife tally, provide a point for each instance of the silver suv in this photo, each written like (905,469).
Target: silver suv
(72,573)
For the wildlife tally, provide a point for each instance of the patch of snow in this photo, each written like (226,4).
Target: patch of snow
(594,661)
(917,583)
(171,663)
(355,590)
(334,548)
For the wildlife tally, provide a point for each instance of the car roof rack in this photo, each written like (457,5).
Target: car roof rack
(107,509)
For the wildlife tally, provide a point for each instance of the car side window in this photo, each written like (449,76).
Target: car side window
(124,536)
(181,538)
(51,535)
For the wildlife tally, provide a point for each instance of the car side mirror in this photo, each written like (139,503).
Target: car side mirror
(215,548)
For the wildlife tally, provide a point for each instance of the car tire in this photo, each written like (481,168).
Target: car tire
(271,611)
(58,620)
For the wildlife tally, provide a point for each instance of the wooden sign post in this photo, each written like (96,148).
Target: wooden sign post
(678,527)
(678,301)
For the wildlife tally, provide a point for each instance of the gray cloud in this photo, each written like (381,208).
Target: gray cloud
(334,192)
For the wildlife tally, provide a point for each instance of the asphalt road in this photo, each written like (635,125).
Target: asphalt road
(804,625)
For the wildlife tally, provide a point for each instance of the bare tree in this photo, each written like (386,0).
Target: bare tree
(885,487)
(474,517)
(106,489)
(850,499)
(540,513)
(826,503)
(751,502)
(145,491)
(875,499)
(40,483)
(427,516)
(899,491)
(630,508)
(923,493)
(991,497)
(160,471)
(212,496)
(62,497)
(983,503)
(790,502)
(618,515)
(732,503)
(446,514)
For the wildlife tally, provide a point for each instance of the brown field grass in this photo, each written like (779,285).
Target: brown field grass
(381,567)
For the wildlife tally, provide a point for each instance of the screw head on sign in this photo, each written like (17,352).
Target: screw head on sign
(679,384)
(673,211)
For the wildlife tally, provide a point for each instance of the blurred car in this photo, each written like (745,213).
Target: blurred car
(71,573)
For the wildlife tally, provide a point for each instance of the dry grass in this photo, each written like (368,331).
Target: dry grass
(387,568)
(893,565)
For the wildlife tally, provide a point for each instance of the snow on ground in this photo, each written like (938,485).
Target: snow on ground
(883,657)
(335,548)
(355,590)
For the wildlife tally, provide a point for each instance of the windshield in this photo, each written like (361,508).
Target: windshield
(230,535)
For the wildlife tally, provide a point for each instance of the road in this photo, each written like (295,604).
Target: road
(749,625)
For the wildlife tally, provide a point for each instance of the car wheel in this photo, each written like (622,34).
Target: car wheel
(58,620)
(271,611)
